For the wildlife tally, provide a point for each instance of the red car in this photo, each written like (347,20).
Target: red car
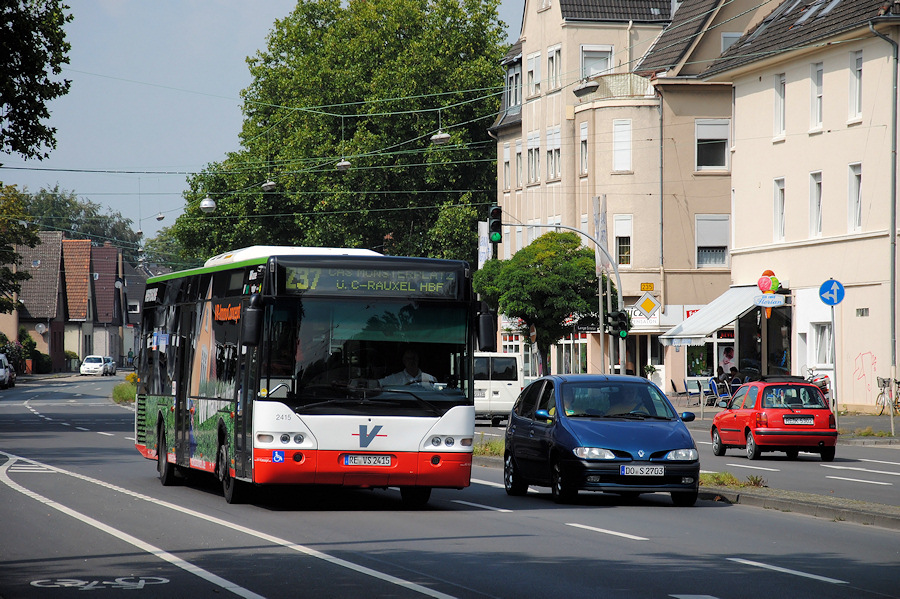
(782,413)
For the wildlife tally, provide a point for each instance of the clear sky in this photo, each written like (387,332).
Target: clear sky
(154,96)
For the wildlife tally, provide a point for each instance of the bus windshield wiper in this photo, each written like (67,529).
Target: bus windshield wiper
(427,404)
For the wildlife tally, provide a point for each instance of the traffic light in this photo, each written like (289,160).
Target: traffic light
(495,232)
(609,322)
(621,325)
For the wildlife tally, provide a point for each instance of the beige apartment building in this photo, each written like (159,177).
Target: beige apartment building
(814,179)
(604,108)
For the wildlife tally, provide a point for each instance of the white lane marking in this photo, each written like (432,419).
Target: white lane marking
(105,434)
(253,533)
(607,532)
(755,467)
(484,507)
(125,537)
(787,570)
(858,480)
(488,483)
(880,462)
(81,428)
(704,442)
(860,469)
(694,596)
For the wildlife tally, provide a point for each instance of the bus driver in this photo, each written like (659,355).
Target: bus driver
(411,373)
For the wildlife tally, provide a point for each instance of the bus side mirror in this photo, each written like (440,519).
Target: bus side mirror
(252,321)
(486,329)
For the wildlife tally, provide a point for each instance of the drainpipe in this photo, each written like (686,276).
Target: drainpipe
(662,268)
(893,222)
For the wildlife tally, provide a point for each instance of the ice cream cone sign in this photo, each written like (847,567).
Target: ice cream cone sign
(768,283)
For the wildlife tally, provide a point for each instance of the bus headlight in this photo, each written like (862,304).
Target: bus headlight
(285,438)
(298,438)
(449,441)
(436,441)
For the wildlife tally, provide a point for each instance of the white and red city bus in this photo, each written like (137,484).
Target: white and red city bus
(284,365)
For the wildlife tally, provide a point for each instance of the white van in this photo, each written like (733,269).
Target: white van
(499,378)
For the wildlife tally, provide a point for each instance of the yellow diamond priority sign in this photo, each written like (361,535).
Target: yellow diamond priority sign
(647,305)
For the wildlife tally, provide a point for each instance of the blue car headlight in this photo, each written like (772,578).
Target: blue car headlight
(683,455)
(593,453)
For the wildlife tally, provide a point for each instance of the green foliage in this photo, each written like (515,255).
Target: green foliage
(29,345)
(491,448)
(366,81)
(727,479)
(124,392)
(57,209)
(41,363)
(543,284)
(33,45)
(13,232)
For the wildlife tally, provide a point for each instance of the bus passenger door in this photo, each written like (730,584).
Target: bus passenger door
(184,439)
(243,417)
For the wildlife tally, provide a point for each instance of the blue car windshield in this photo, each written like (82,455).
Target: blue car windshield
(607,399)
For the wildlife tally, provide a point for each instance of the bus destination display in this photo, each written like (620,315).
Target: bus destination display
(368,281)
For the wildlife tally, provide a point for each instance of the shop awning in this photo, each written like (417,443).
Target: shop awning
(723,310)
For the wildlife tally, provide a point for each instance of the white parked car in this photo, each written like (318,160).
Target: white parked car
(110,365)
(93,365)
(7,373)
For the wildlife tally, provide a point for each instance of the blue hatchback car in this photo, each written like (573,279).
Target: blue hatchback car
(616,434)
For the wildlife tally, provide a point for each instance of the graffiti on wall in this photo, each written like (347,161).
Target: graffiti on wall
(864,388)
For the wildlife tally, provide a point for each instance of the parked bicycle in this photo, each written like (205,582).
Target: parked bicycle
(887,396)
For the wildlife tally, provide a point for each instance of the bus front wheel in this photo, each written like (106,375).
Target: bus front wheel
(163,467)
(415,497)
(232,489)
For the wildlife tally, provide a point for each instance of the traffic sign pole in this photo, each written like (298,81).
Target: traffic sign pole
(831,293)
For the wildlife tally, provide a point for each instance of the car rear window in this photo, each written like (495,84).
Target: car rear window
(90,360)
(792,397)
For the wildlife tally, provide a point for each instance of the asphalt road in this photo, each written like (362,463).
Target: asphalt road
(81,510)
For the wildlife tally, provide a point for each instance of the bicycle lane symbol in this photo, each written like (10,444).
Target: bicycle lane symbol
(124,582)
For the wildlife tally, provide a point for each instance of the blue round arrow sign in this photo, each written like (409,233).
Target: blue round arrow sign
(831,292)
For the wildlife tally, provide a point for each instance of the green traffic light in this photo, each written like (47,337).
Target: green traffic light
(623,334)
(496,237)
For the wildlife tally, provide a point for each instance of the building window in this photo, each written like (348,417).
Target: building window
(519,179)
(779,105)
(595,60)
(584,148)
(622,145)
(622,229)
(554,139)
(712,144)
(507,250)
(856,62)
(533,74)
(815,204)
(779,210)
(554,67)
(729,38)
(514,87)
(712,240)
(534,157)
(506,170)
(854,196)
(817,77)
(822,344)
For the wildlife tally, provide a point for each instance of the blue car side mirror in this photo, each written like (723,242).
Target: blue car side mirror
(687,416)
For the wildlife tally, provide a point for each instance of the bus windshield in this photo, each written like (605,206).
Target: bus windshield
(328,356)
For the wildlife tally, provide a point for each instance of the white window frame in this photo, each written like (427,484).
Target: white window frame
(712,131)
(817,95)
(592,52)
(821,349)
(534,157)
(514,86)
(779,210)
(506,170)
(854,197)
(856,66)
(533,74)
(711,234)
(519,172)
(728,39)
(623,234)
(554,141)
(554,67)
(621,154)
(815,204)
(584,148)
(780,86)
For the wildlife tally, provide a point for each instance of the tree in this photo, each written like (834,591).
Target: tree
(32,45)
(543,284)
(57,209)
(368,81)
(13,232)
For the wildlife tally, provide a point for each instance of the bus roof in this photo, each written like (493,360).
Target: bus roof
(264,251)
